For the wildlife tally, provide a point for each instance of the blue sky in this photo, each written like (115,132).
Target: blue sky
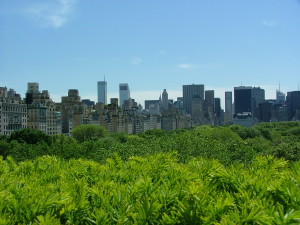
(150,44)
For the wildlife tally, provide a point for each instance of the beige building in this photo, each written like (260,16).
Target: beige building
(37,117)
(13,114)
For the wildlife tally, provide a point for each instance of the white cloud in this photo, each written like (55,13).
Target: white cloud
(269,23)
(185,66)
(52,13)
(136,61)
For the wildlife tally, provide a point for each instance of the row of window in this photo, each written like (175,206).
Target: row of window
(14,108)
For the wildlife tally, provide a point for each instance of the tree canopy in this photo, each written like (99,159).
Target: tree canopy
(88,132)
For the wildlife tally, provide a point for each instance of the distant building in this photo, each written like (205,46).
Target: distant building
(102,92)
(218,107)
(228,107)
(197,110)
(242,99)
(165,100)
(210,98)
(88,102)
(293,104)
(148,103)
(114,101)
(124,93)
(189,91)
(244,119)
(37,117)
(280,97)
(13,114)
(247,99)
(258,97)
(33,87)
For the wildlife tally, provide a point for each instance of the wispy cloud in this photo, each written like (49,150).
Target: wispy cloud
(136,61)
(269,23)
(185,66)
(52,13)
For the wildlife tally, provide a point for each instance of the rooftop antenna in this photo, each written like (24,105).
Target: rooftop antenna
(279,85)
(104,77)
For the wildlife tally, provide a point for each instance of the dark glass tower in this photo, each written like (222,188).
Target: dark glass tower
(189,91)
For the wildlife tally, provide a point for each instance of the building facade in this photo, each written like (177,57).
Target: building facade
(124,93)
(228,107)
(189,91)
(102,91)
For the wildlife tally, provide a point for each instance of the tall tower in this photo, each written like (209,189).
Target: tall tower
(102,91)
(293,105)
(228,107)
(165,99)
(124,93)
(210,98)
(247,99)
(189,91)
(242,99)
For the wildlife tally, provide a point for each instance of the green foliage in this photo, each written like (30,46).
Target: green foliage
(29,136)
(156,189)
(245,132)
(228,144)
(153,133)
(88,132)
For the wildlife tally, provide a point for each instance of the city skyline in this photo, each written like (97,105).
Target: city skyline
(151,95)
(72,44)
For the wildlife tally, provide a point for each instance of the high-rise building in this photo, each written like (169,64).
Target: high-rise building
(228,107)
(189,91)
(293,104)
(247,99)
(280,97)
(210,98)
(242,99)
(102,92)
(124,93)
(258,97)
(165,100)
(218,107)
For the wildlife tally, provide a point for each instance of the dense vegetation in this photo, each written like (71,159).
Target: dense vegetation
(206,175)
(227,144)
(149,190)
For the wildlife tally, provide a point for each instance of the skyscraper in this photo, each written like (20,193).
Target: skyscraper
(247,99)
(293,104)
(124,93)
(228,107)
(280,97)
(218,107)
(102,92)
(258,97)
(210,98)
(242,99)
(189,91)
(165,100)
